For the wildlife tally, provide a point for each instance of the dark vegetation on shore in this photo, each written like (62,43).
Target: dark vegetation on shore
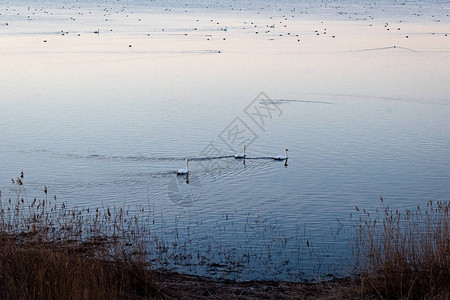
(48,251)
(405,254)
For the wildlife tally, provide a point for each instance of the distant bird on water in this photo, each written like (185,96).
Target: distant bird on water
(240,155)
(282,157)
(184,171)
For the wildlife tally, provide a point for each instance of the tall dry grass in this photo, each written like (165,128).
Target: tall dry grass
(48,251)
(405,254)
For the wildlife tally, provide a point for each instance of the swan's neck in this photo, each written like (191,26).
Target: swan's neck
(187,164)
(244,150)
(285,153)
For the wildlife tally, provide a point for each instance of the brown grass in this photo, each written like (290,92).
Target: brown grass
(39,270)
(49,251)
(405,255)
(42,271)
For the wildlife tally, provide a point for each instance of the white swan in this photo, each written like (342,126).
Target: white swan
(282,157)
(184,171)
(240,155)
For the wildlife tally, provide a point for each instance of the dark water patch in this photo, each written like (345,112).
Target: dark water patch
(210,157)
(150,158)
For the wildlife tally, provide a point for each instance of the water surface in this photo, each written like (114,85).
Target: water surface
(106,118)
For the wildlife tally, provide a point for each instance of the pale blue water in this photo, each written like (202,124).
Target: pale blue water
(101,123)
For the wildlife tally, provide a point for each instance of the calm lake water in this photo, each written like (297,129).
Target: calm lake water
(357,92)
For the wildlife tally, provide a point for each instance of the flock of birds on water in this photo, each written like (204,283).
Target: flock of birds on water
(276,26)
(237,156)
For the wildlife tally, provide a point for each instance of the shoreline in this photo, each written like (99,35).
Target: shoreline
(48,251)
(103,102)
(198,287)
(74,271)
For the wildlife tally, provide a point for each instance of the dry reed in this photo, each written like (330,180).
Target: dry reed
(405,254)
(50,251)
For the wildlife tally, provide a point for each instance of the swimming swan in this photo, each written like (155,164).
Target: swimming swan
(282,157)
(240,155)
(184,171)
